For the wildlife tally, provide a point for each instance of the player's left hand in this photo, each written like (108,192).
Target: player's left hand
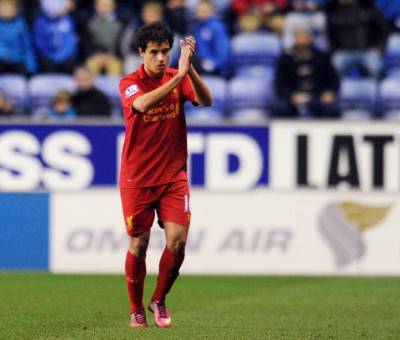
(191,42)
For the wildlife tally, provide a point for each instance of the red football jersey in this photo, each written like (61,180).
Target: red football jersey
(155,147)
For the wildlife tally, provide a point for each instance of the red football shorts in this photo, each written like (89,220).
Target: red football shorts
(171,202)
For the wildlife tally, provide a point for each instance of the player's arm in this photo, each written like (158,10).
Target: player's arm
(150,99)
(202,92)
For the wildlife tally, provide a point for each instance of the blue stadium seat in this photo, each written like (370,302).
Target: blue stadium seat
(219,90)
(358,94)
(43,87)
(256,71)
(255,48)
(249,116)
(110,87)
(392,52)
(204,115)
(16,91)
(245,93)
(389,97)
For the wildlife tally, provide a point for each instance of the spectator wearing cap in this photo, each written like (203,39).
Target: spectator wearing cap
(100,42)
(16,50)
(308,15)
(306,81)
(357,35)
(55,37)
(212,41)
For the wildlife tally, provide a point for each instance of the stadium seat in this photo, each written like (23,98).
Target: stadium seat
(207,115)
(389,97)
(358,95)
(392,52)
(218,88)
(393,72)
(15,89)
(246,93)
(255,48)
(249,116)
(43,87)
(257,71)
(110,87)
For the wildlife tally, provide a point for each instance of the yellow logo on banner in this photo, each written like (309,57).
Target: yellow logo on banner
(363,216)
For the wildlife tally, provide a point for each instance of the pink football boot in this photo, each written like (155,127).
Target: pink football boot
(161,315)
(138,320)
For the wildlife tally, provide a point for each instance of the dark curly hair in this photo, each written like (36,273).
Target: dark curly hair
(156,32)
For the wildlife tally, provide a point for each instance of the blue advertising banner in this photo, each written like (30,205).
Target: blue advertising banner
(76,157)
(24,231)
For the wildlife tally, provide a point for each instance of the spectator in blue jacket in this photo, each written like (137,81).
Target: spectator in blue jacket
(55,37)
(212,41)
(16,50)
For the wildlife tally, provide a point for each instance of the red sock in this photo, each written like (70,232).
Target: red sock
(170,263)
(135,273)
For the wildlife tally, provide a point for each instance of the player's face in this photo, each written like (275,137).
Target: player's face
(156,58)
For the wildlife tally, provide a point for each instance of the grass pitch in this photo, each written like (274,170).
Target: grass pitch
(45,306)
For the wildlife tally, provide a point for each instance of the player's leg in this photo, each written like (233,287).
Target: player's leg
(139,216)
(174,213)
(171,259)
(170,263)
(135,273)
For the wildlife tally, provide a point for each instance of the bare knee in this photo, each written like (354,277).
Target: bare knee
(176,246)
(138,245)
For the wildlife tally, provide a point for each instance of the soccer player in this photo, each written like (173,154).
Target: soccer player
(153,165)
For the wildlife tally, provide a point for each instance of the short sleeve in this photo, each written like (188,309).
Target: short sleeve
(129,90)
(187,89)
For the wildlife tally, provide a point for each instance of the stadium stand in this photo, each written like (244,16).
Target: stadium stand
(392,52)
(358,97)
(15,88)
(255,48)
(389,98)
(43,87)
(109,86)
(245,93)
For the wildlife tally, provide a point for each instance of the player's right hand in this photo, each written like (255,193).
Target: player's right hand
(184,59)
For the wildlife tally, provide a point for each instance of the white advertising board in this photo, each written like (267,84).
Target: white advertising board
(258,232)
(360,155)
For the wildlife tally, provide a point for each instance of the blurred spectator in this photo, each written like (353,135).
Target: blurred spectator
(62,106)
(269,12)
(212,41)
(176,16)
(6,108)
(88,100)
(306,14)
(16,50)
(151,12)
(60,109)
(55,37)
(357,34)
(306,82)
(101,38)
